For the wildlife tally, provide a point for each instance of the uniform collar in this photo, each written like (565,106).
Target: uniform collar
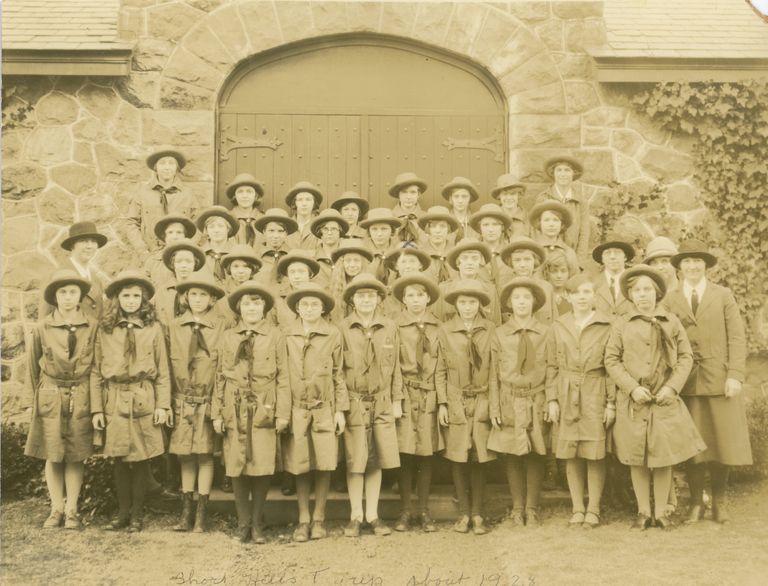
(132,320)
(262,327)
(405,318)
(659,313)
(456,324)
(296,328)
(187,318)
(354,320)
(56,320)
(533,326)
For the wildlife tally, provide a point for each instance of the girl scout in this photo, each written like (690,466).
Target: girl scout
(440,228)
(373,378)
(353,209)
(181,258)
(168,230)
(408,189)
(461,193)
(329,228)
(508,192)
(60,356)
(219,228)
(465,363)
(350,259)
(319,400)
(417,430)
(251,403)
(304,202)
(194,341)
(276,226)
(550,220)
(381,226)
(517,398)
(130,391)
(293,270)
(582,401)
(649,358)
(245,193)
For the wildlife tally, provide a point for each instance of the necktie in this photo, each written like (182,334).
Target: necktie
(218,270)
(71,339)
(249,230)
(526,353)
(196,343)
(661,349)
(275,254)
(612,286)
(381,269)
(422,346)
(245,349)
(442,268)
(164,191)
(370,351)
(694,301)
(475,359)
(130,340)
(179,307)
(407,233)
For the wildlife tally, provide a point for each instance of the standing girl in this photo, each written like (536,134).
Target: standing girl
(181,258)
(130,391)
(461,193)
(304,202)
(550,220)
(353,209)
(350,259)
(508,192)
(245,193)
(219,228)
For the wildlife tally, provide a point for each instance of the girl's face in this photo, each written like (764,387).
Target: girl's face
(550,224)
(183,264)
(240,270)
(380,234)
(351,213)
(643,294)
(510,197)
(663,264)
(84,249)
(68,297)
(330,233)
(583,298)
(174,232)
(217,230)
(614,259)
(274,235)
(409,197)
(693,269)
(416,299)
(252,309)
(352,263)
(310,309)
(365,300)
(563,174)
(199,300)
(129,298)
(521,302)
(469,262)
(166,168)
(245,196)
(523,262)
(304,203)
(558,275)
(407,264)
(297,273)
(438,231)
(460,198)
(491,230)
(467,307)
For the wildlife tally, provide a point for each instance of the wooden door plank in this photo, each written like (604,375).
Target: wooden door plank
(338,158)
(318,152)
(354,167)
(281,183)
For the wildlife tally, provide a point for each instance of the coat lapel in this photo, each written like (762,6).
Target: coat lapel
(707,298)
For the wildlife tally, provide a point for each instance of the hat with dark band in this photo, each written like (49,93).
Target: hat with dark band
(693,248)
(129,278)
(539,297)
(659,247)
(613,240)
(83,231)
(152,159)
(399,286)
(251,288)
(244,179)
(640,270)
(404,180)
(310,290)
(62,278)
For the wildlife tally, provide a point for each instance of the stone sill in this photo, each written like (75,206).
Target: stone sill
(639,69)
(112,62)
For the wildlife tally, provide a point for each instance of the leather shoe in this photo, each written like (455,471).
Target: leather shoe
(720,514)
(462,525)
(257,535)
(242,534)
(118,523)
(664,523)
(301,533)
(403,522)
(478,525)
(379,528)
(641,522)
(317,530)
(353,529)
(695,514)
(427,524)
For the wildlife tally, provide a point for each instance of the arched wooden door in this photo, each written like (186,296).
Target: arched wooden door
(350,114)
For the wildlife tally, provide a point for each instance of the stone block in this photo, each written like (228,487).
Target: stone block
(22,207)
(606,116)
(201,42)
(13,143)
(199,163)
(682,197)
(75,178)
(56,109)
(685,143)
(552,34)
(10,306)
(171,20)
(364,16)
(580,96)
(130,23)
(626,141)
(627,168)
(126,127)
(12,341)
(594,136)
(575,10)
(494,34)
(83,154)
(140,89)
(432,22)
(27,271)
(192,70)
(30,89)
(116,257)
(598,166)
(49,145)
(574,66)
(530,12)
(20,234)
(260,23)
(295,20)
(647,128)
(100,101)
(206,5)
(398,18)
(522,46)
(95,207)
(330,17)
(23,180)
(227,26)
(90,129)
(5,374)
(531,131)
(582,35)
(549,99)
(666,165)
(151,54)
(191,128)
(56,206)
(70,84)
(537,72)
(117,164)
(176,95)
(465,24)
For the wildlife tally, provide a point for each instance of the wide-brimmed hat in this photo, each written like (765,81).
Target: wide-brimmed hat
(279,216)
(489,210)
(329,215)
(470,288)
(241,252)
(129,278)
(613,240)
(550,205)
(522,243)
(460,182)
(310,290)
(577,281)
(403,180)
(398,287)
(506,181)
(539,297)
(62,278)
(82,231)
(693,248)
(465,245)
(162,224)
(659,247)
(218,212)
(352,197)
(300,187)
(244,179)
(549,166)
(380,216)
(298,255)
(251,288)
(363,281)
(349,246)
(184,244)
(201,280)
(436,214)
(391,257)
(152,159)
(640,270)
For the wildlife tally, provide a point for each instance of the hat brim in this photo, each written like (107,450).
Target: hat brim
(250,259)
(394,222)
(361,203)
(549,166)
(391,258)
(427,218)
(189,227)
(597,252)
(709,259)
(234,225)
(398,289)
(454,254)
(173,249)
(292,300)
(497,190)
(394,191)
(69,243)
(213,289)
(234,298)
(49,294)
(286,261)
(639,271)
(317,225)
(231,189)
(473,194)
(294,192)
(364,252)
(539,296)
(478,217)
(119,284)
(659,254)
(155,157)
(534,247)
(353,288)
(289,224)
(452,296)
(550,206)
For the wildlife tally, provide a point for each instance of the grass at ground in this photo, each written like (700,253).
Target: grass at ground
(706,554)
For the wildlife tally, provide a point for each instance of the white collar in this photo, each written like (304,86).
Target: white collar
(699,288)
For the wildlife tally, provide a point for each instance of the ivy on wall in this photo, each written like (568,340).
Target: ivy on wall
(730,124)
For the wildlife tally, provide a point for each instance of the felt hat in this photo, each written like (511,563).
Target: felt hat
(329,215)
(659,247)
(489,210)
(81,231)
(613,240)
(549,166)
(251,288)
(298,255)
(381,216)
(220,212)
(300,187)
(363,281)
(693,248)
(279,216)
(470,288)
(244,179)
(352,197)
(184,244)
(351,245)
(62,278)
(577,281)
(241,252)
(438,213)
(128,278)
(391,257)
(522,243)
(460,182)
(465,245)
(310,290)
(550,205)
(398,287)
(506,181)
(640,270)
(201,280)
(162,224)
(166,152)
(404,180)
(539,297)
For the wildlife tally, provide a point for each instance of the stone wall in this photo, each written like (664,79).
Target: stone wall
(73,148)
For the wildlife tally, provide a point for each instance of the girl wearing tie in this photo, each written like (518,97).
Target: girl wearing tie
(181,258)
(245,193)
(219,228)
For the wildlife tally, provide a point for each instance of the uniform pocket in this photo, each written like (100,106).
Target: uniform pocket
(430,402)
(264,415)
(143,397)
(355,418)
(48,402)
(82,402)
(456,414)
(322,420)
(482,409)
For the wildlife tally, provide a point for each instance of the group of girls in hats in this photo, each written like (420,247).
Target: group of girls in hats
(381,339)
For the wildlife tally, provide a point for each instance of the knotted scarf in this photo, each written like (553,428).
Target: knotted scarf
(196,343)
(164,191)
(130,339)
(218,270)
